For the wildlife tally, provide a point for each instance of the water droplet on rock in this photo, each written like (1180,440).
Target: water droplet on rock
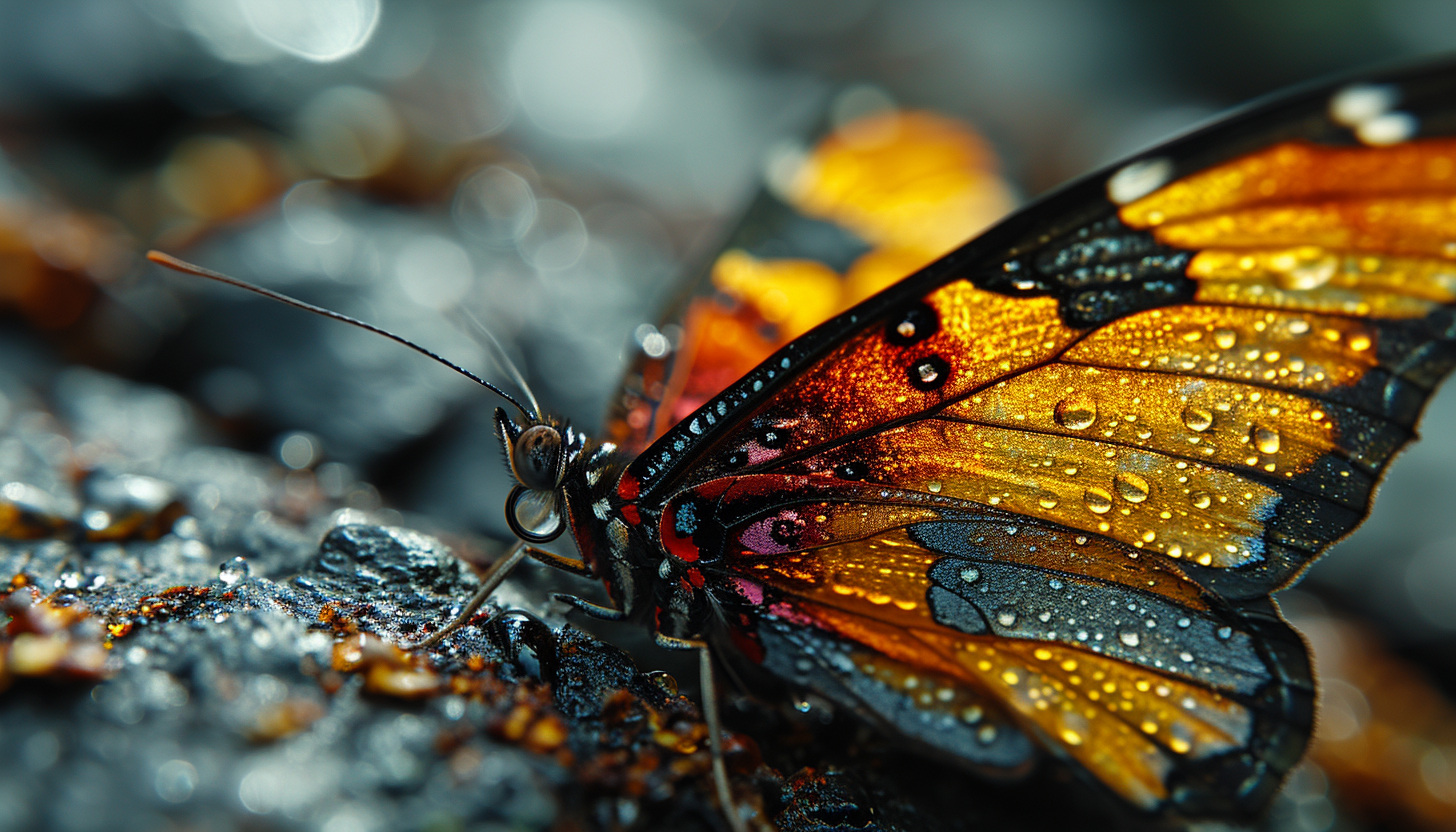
(233,571)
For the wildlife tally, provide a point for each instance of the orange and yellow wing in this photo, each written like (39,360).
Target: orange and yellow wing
(1051,479)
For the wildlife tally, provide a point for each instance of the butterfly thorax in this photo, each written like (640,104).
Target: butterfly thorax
(566,481)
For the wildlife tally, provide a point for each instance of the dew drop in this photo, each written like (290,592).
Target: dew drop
(1359,343)
(1200,499)
(1186,657)
(971,715)
(1129,638)
(1185,623)
(233,571)
(1131,487)
(1305,268)
(1265,439)
(1047,500)
(1225,338)
(1225,632)
(1075,412)
(1098,500)
(970,574)
(986,735)
(906,329)
(1006,618)
(1071,737)
(1197,419)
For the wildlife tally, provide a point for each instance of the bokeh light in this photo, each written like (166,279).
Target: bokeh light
(350,132)
(315,30)
(581,68)
(495,206)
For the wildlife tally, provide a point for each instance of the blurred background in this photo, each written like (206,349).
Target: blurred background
(550,168)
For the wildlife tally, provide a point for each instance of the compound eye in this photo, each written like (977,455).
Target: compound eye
(536,457)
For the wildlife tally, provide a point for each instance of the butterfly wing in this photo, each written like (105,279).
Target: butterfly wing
(1054,475)
(873,201)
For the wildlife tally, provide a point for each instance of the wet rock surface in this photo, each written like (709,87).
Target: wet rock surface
(237,670)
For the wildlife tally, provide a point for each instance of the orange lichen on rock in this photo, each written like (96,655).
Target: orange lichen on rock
(49,259)
(29,513)
(531,723)
(23,514)
(387,670)
(46,641)
(177,602)
(285,719)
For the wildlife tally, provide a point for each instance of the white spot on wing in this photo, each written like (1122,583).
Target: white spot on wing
(1358,103)
(1391,128)
(1139,179)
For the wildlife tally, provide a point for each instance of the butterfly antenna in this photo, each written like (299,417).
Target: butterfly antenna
(502,360)
(183,266)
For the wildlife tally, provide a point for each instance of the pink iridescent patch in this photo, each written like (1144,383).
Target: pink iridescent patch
(792,615)
(758,538)
(751,591)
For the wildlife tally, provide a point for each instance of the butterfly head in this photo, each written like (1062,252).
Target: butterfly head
(540,455)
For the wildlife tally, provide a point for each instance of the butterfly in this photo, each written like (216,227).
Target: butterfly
(1033,499)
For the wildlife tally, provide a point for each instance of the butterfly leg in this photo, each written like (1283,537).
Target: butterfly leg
(669,643)
(575,566)
(488,584)
(715,739)
(596,611)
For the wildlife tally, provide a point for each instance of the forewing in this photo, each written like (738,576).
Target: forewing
(1061,469)
(1212,369)
(870,202)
